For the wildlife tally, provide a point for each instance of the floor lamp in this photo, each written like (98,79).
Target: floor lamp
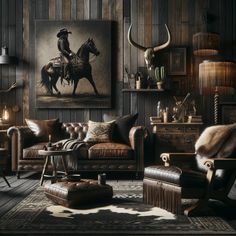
(218,78)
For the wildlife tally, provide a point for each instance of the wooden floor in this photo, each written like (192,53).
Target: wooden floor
(20,188)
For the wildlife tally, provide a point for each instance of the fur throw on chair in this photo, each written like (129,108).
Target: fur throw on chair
(217,141)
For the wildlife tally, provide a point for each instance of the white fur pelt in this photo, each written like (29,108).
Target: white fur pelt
(217,141)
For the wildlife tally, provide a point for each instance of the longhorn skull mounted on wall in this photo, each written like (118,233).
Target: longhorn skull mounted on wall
(149,52)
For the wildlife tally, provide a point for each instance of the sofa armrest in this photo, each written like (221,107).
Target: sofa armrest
(20,136)
(137,136)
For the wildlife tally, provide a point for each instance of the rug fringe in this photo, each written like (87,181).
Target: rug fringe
(164,196)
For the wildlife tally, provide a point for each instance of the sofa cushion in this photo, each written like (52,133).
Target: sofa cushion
(122,127)
(42,129)
(32,152)
(110,150)
(99,131)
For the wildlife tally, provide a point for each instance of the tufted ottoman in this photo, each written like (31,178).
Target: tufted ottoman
(73,194)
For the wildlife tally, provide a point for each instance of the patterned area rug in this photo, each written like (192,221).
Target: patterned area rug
(126,215)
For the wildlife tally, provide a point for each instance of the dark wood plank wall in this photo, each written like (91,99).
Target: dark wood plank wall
(184,18)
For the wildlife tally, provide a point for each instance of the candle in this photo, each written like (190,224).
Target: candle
(49,138)
(165,117)
(138,84)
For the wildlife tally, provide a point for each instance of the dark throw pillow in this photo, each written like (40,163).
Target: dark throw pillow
(42,129)
(122,127)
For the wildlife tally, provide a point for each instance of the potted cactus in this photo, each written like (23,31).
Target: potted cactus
(160,76)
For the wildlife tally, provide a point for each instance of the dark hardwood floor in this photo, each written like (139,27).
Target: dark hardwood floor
(20,188)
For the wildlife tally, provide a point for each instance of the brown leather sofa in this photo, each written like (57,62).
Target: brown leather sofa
(90,157)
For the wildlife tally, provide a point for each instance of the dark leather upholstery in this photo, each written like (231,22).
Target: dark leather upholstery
(32,152)
(72,194)
(110,150)
(117,157)
(175,175)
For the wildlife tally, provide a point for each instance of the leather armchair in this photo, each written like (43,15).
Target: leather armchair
(99,157)
(203,175)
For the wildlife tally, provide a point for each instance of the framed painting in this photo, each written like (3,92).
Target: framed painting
(177,61)
(228,113)
(72,64)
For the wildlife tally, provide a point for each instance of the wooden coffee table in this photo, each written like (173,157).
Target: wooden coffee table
(51,155)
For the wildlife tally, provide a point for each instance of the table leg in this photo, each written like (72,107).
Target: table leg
(64,165)
(54,173)
(44,169)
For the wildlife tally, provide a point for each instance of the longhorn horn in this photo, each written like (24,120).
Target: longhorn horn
(131,41)
(157,48)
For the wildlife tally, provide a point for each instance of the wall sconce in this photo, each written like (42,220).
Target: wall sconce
(14,85)
(5,59)
(206,44)
(5,114)
(218,78)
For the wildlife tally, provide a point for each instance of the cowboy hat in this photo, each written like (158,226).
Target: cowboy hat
(63,31)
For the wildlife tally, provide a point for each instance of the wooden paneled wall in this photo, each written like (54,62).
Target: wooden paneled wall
(184,18)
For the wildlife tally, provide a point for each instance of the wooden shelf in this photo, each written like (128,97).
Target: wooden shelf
(175,123)
(142,90)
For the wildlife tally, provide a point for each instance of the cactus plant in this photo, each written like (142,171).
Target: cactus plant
(160,74)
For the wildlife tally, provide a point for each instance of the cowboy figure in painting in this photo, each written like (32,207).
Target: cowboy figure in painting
(79,66)
(64,47)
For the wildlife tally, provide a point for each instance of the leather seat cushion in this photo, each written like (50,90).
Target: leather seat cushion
(72,194)
(110,150)
(32,152)
(175,175)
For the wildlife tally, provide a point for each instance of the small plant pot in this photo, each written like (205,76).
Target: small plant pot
(160,85)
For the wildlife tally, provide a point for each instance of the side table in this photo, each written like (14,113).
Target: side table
(3,162)
(5,145)
(51,155)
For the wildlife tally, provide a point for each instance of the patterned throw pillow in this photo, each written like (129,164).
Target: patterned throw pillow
(99,132)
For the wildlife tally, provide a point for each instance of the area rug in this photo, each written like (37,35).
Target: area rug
(124,215)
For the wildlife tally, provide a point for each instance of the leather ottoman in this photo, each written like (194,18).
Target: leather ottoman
(163,186)
(74,194)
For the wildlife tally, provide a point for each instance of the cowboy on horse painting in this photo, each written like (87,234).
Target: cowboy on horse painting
(68,65)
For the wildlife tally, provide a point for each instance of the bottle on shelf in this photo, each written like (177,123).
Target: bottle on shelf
(158,109)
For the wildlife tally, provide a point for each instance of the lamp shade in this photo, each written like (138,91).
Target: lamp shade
(206,44)
(220,75)
(5,58)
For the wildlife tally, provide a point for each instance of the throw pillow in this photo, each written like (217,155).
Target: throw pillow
(42,129)
(122,127)
(99,131)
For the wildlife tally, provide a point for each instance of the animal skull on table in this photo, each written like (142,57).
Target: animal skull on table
(149,52)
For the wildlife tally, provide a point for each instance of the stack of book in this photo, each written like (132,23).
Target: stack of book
(155,119)
(194,119)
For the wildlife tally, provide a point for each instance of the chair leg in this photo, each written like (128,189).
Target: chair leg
(4,177)
(18,174)
(194,210)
